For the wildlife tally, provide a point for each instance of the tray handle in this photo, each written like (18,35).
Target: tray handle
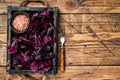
(43,2)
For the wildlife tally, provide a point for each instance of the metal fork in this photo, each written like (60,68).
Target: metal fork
(62,53)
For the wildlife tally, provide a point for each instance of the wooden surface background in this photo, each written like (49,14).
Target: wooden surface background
(92,48)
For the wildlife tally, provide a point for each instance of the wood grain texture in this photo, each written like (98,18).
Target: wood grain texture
(92,47)
(72,6)
(72,73)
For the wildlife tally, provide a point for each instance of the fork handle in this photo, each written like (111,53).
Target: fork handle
(62,60)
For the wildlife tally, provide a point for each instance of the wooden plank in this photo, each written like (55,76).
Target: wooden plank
(69,7)
(3,8)
(74,73)
(3,25)
(13,1)
(81,3)
(77,23)
(100,3)
(78,57)
(89,36)
(2,73)
(3,39)
(19,1)
(3,56)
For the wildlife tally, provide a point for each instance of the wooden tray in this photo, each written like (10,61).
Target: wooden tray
(9,32)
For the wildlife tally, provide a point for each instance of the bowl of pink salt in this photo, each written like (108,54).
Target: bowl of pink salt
(20,22)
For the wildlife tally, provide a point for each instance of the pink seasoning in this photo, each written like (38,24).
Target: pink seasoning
(20,22)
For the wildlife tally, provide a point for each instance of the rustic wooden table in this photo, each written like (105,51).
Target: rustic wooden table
(92,47)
